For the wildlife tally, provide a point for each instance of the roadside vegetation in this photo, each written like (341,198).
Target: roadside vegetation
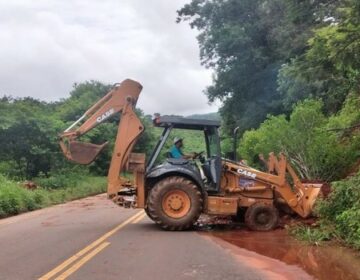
(15,199)
(308,140)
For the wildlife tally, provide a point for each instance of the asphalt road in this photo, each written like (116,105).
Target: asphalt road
(94,239)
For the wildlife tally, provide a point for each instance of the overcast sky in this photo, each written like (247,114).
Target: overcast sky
(47,45)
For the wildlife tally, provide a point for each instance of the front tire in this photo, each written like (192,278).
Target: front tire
(175,203)
(261,217)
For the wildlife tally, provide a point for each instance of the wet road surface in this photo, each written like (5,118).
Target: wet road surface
(95,239)
(320,262)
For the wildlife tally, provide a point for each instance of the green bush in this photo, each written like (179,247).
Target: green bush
(341,210)
(15,199)
(349,114)
(314,151)
(270,137)
(12,198)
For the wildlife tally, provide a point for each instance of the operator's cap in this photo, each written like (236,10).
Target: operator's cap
(177,139)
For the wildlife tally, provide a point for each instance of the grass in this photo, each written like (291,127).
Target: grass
(15,199)
(312,235)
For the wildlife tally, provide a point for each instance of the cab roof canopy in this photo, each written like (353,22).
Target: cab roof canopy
(184,123)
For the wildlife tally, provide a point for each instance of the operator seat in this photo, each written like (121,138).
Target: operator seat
(209,169)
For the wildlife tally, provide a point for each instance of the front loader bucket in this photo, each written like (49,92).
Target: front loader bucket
(84,153)
(311,192)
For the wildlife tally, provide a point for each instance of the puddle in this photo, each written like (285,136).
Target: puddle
(323,262)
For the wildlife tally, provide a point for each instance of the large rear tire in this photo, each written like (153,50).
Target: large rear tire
(262,217)
(175,203)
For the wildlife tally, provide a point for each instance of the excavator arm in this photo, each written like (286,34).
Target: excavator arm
(122,99)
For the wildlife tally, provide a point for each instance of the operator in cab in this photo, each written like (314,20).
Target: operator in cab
(176,150)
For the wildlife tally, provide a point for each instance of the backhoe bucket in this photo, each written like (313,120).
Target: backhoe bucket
(311,192)
(84,153)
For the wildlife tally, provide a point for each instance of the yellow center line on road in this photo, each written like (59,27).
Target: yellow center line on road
(139,218)
(82,261)
(88,248)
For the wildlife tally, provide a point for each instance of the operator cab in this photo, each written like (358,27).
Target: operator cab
(210,160)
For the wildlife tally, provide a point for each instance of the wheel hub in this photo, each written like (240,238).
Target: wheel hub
(262,218)
(176,204)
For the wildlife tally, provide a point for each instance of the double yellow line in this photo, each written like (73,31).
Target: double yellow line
(99,245)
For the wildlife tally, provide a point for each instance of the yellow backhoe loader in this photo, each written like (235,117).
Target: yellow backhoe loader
(175,192)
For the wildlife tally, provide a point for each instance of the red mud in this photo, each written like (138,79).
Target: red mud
(298,260)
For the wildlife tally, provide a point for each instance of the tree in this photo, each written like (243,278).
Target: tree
(28,147)
(246,42)
(329,69)
(81,98)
